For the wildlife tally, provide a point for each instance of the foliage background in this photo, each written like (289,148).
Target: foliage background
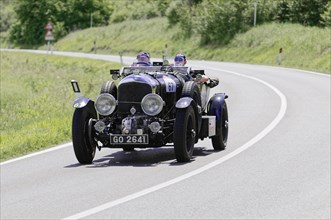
(207,18)
(67,15)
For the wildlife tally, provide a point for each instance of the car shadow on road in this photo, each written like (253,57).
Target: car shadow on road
(137,158)
(143,158)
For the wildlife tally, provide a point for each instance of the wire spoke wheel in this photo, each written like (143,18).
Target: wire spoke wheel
(222,130)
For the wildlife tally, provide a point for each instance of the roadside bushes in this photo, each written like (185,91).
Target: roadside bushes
(218,21)
(326,16)
(215,21)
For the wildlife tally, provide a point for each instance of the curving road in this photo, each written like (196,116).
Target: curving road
(276,165)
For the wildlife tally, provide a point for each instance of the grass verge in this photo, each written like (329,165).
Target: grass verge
(36,98)
(303,47)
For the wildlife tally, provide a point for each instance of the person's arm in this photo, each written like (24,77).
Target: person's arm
(204,79)
(213,82)
(201,78)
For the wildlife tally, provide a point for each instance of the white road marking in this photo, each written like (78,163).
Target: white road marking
(304,71)
(219,161)
(37,153)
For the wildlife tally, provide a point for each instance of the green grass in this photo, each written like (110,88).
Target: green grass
(303,47)
(36,98)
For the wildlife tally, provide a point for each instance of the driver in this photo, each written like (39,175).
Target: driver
(143,59)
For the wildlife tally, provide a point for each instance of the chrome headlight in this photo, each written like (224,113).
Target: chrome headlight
(105,104)
(152,104)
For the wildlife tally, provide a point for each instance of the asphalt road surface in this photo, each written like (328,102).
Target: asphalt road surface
(276,165)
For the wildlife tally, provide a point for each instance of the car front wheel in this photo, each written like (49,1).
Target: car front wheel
(82,125)
(184,134)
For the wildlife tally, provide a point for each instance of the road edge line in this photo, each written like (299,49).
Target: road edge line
(37,153)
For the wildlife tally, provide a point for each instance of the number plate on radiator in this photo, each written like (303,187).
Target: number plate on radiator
(128,139)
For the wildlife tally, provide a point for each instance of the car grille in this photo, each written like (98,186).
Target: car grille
(130,95)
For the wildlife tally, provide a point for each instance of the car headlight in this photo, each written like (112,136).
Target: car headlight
(152,104)
(105,104)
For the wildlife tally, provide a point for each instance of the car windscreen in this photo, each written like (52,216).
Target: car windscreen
(150,69)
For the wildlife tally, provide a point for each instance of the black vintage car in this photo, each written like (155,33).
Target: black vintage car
(147,107)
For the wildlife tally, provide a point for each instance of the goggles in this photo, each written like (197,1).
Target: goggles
(179,61)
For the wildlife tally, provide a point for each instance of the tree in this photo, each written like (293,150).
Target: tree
(326,16)
(80,11)
(308,12)
(183,13)
(283,11)
(7,15)
(66,15)
(31,18)
(218,21)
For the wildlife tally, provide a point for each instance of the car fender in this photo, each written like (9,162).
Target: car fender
(185,102)
(215,105)
(81,102)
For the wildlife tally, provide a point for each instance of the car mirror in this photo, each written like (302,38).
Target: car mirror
(115,73)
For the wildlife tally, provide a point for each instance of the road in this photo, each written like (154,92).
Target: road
(276,165)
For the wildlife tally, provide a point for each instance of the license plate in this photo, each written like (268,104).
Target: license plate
(129,139)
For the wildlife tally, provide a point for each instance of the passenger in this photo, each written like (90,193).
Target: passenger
(143,59)
(180,60)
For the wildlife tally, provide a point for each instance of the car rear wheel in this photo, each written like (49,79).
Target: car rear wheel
(184,134)
(191,89)
(82,126)
(222,129)
(110,88)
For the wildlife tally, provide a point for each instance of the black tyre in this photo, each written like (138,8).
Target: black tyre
(191,89)
(82,126)
(109,87)
(222,129)
(184,134)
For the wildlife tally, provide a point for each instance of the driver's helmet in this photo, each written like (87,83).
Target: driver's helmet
(143,58)
(180,60)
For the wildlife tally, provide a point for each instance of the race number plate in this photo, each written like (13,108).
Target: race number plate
(129,139)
